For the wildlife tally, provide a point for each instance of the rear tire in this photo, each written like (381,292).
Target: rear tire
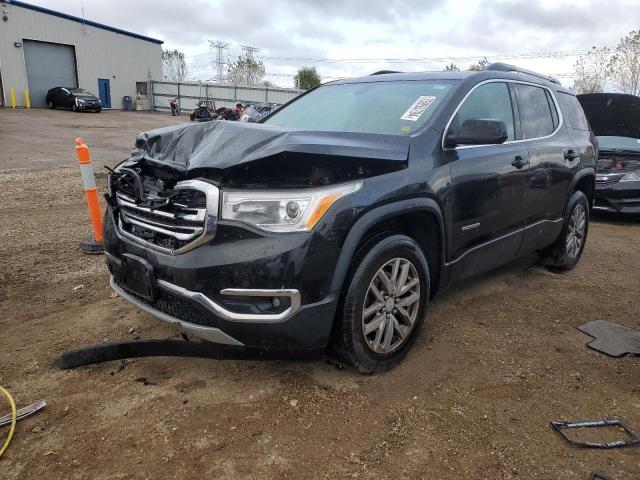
(381,313)
(564,254)
(51,105)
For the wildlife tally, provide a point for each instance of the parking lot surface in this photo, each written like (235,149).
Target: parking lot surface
(498,358)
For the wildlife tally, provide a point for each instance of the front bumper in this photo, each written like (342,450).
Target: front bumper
(620,197)
(224,291)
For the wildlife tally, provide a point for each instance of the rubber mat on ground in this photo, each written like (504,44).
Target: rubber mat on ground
(612,339)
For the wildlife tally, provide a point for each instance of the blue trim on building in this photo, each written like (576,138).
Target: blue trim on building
(83,21)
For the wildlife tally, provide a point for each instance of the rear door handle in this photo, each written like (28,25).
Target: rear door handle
(519,162)
(570,155)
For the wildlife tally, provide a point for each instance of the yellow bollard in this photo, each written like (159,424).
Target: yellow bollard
(27,100)
(93,245)
(13,98)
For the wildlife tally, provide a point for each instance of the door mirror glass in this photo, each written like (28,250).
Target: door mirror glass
(479,131)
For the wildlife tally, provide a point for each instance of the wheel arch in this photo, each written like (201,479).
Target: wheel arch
(585,182)
(418,218)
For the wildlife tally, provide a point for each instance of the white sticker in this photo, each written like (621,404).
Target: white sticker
(418,108)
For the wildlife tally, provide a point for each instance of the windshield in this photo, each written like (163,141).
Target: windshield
(395,108)
(79,92)
(619,143)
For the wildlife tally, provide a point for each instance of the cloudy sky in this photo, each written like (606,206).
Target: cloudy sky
(343,38)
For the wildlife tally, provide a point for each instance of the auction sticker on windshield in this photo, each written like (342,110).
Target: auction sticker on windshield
(418,108)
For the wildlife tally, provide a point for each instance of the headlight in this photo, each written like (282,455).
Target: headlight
(631,177)
(79,101)
(283,211)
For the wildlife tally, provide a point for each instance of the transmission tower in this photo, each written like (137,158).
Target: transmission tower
(219,57)
(249,52)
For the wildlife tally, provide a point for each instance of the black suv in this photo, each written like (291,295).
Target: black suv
(334,221)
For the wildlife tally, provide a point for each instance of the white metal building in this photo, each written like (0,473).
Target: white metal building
(42,48)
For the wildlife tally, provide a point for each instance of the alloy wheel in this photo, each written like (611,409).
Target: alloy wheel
(576,231)
(391,306)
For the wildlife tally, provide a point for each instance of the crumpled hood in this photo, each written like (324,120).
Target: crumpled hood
(612,114)
(223,144)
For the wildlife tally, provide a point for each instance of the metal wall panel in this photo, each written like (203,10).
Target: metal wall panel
(48,65)
(100,53)
(190,93)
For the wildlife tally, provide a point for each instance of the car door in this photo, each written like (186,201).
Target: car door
(486,186)
(550,164)
(65,98)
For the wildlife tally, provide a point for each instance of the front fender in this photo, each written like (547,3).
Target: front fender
(368,220)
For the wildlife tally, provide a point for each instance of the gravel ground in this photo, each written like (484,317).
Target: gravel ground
(499,358)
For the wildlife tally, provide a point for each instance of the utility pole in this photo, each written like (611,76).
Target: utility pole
(220,54)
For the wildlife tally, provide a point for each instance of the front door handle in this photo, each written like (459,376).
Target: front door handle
(570,155)
(519,162)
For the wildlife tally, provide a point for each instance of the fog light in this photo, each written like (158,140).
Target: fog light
(275,302)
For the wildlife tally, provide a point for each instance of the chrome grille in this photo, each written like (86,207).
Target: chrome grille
(189,222)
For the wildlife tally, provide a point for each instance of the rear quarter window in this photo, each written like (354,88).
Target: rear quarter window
(572,111)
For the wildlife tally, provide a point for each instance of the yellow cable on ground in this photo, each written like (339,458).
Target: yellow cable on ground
(9,398)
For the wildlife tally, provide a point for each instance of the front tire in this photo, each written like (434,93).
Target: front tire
(383,303)
(74,107)
(564,254)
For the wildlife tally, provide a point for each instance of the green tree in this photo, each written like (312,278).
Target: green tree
(452,67)
(246,70)
(481,65)
(624,67)
(306,78)
(174,66)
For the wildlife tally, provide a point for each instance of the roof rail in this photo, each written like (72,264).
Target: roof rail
(505,67)
(384,72)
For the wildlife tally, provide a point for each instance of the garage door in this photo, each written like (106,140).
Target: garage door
(48,65)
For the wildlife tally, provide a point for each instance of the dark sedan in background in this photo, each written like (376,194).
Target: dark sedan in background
(615,119)
(76,99)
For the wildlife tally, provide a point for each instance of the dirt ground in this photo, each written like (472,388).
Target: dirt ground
(499,358)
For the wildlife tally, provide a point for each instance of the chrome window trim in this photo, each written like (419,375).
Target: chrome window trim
(212,194)
(503,80)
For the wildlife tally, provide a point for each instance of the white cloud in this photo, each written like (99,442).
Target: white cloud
(372,29)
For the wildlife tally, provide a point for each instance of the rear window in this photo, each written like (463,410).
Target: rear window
(572,111)
(395,108)
(536,117)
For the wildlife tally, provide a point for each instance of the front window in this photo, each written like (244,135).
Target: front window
(487,102)
(394,108)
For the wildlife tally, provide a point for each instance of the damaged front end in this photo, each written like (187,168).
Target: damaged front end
(195,224)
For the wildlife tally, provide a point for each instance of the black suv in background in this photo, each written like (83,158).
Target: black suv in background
(335,220)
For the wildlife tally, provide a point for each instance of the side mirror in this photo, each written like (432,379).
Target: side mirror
(478,132)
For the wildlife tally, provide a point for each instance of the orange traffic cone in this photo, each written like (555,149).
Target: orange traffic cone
(93,245)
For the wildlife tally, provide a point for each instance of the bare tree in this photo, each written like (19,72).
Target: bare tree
(174,67)
(591,71)
(624,67)
(452,67)
(246,70)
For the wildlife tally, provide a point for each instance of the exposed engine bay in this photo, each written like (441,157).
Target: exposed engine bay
(612,164)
